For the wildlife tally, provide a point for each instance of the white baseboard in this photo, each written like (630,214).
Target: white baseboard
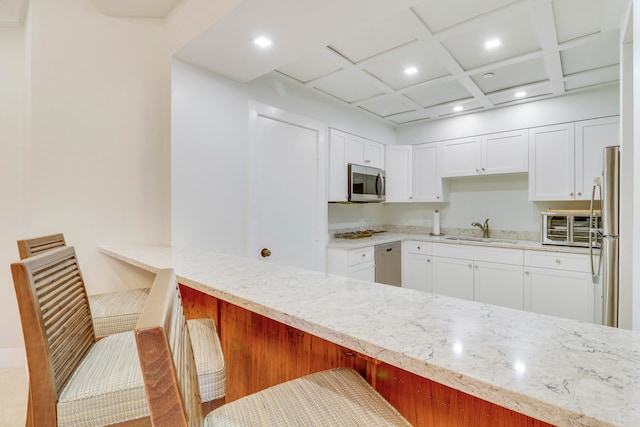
(13,358)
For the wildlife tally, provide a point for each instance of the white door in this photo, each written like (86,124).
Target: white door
(285,194)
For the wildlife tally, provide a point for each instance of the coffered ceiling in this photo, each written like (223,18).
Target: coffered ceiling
(12,12)
(547,48)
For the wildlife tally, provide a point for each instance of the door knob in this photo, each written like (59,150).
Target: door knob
(265,252)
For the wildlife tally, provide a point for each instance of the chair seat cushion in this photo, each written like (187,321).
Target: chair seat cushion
(107,387)
(336,397)
(116,312)
(210,363)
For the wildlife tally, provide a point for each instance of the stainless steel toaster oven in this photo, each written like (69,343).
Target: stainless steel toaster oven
(569,228)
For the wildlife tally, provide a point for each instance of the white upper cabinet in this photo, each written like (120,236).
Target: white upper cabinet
(591,137)
(505,152)
(461,157)
(551,162)
(365,152)
(427,179)
(338,180)
(564,159)
(399,173)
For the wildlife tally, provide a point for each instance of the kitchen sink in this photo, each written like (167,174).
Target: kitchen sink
(481,239)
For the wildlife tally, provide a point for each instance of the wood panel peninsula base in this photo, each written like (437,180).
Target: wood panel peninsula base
(441,361)
(261,352)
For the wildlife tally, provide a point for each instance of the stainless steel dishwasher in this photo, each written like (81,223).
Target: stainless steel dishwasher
(388,263)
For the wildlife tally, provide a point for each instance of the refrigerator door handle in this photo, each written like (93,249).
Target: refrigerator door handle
(593,232)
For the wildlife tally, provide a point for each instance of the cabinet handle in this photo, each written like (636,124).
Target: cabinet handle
(419,248)
(437,197)
(367,161)
(526,272)
(579,193)
(428,259)
(571,194)
(483,169)
(470,266)
(476,267)
(557,260)
(364,255)
(477,170)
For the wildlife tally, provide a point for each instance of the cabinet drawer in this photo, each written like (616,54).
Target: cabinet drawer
(419,248)
(479,253)
(557,260)
(358,256)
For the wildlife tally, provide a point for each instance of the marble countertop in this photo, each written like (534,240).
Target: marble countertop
(386,237)
(560,371)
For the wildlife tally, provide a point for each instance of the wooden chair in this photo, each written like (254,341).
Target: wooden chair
(113,312)
(333,397)
(73,378)
(117,312)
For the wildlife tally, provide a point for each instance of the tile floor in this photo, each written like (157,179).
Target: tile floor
(13,397)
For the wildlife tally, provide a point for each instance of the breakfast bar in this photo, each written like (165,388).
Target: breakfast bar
(477,362)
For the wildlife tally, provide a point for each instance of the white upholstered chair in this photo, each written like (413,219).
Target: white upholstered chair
(112,312)
(74,379)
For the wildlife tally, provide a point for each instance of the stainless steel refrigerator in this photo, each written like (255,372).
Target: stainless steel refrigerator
(607,262)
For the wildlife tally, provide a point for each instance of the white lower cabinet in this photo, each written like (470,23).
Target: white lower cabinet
(356,263)
(417,268)
(561,285)
(485,274)
(453,277)
(499,284)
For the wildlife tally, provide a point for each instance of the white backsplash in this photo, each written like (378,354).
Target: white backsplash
(504,199)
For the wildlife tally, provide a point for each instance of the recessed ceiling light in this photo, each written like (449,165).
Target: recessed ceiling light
(458,108)
(493,43)
(262,41)
(488,75)
(521,94)
(409,71)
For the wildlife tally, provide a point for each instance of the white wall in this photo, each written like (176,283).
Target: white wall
(210,149)
(12,224)
(94,154)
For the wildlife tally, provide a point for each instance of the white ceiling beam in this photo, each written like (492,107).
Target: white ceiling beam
(545,24)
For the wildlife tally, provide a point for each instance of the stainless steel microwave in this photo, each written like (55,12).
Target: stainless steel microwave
(569,228)
(366,184)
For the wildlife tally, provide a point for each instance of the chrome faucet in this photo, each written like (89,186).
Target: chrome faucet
(484,228)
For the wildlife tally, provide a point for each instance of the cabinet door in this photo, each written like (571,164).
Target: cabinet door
(591,137)
(498,284)
(568,294)
(453,277)
(461,157)
(427,179)
(399,174)
(338,181)
(417,272)
(551,162)
(365,271)
(364,152)
(505,152)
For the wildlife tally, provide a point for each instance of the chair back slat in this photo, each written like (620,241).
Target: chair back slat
(55,313)
(166,356)
(37,245)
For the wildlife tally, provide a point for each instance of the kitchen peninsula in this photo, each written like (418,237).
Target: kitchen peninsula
(558,371)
